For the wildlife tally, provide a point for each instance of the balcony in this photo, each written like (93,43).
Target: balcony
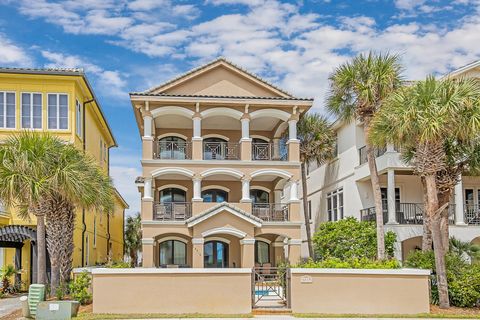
(472,214)
(175,150)
(406,213)
(269,151)
(271,211)
(221,150)
(362,153)
(172,211)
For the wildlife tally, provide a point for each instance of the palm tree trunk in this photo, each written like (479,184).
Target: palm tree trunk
(305,210)
(432,210)
(444,199)
(427,228)
(41,250)
(377,196)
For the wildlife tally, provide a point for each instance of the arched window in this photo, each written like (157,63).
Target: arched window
(172,195)
(214,195)
(262,252)
(259,196)
(173,252)
(172,148)
(215,254)
(214,149)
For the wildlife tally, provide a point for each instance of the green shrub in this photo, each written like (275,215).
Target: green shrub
(352,263)
(118,264)
(463,278)
(80,288)
(61,291)
(349,238)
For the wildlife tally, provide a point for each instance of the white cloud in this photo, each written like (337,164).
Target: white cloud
(124,180)
(110,82)
(12,54)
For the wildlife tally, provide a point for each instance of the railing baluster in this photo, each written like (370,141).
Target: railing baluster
(271,211)
(172,211)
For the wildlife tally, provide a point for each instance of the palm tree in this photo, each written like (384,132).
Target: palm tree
(424,118)
(317,144)
(133,238)
(61,177)
(357,90)
(464,248)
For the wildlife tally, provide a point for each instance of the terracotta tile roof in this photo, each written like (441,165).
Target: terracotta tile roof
(213,96)
(224,204)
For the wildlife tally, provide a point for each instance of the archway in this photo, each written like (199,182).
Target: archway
(409,245)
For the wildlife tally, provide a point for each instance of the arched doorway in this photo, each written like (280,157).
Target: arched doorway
(172,147)
(215,254)
(172,252)
(173,205)
(214,195)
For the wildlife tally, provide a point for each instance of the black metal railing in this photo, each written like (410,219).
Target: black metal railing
(362,153)
(269,151)
(472,214)
(174,150)
(172,211)
(406,213)
(220,151)
(271,211)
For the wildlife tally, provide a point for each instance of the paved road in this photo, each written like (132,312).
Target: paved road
(8,305)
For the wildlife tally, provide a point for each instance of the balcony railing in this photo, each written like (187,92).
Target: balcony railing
(220,151)
(172,211)
(271,211)
(269,151)
(174,150)
(362,153)
(406,213)
(472,214)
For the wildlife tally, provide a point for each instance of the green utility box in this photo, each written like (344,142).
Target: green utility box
(57,310)
(36,294)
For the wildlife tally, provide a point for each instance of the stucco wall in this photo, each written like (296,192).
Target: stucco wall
(344,291)
(172,291)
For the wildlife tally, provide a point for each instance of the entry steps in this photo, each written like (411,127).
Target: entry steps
(271,311)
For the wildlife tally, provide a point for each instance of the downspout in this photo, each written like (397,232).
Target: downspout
(108,214)
(84,142)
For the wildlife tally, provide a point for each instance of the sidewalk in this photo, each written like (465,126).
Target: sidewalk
(8,305)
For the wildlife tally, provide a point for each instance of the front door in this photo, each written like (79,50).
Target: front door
(215,254)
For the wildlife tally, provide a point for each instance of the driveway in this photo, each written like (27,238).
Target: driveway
(8,305)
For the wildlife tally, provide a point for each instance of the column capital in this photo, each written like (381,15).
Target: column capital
(197,115)
(294,117)
(148,241)
(247,241)
(295,242)
(198,241)
(146,114)
(245,117)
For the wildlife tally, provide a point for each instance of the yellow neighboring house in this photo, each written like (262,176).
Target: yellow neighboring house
(61,102)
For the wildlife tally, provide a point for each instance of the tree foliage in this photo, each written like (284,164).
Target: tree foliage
(350,239)
(133,238)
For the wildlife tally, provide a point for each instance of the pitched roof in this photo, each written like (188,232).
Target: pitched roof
(63,72)
(221,207)
(216,96)
(467,67)
(219,60)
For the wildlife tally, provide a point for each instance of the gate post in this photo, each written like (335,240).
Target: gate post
(288,277)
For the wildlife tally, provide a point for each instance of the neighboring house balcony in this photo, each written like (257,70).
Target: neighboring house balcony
(387,158)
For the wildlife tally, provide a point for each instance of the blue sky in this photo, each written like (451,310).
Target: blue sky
(129,46)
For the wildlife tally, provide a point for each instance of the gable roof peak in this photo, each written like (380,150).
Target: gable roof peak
(217,61)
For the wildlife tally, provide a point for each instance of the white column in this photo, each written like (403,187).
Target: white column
(459,205)
(197,190)
(245,191)
(292,129)
(147,126)
(245,128)
(293,191)
(277,196)
(197,127)
(147,188)
(392,216)
(276,148)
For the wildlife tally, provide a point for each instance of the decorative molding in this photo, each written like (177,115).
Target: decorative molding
(271,113)
(260,188)
(198,241)
(171,270)
(166,186)
(221,207)
(215,186)
(263,239)
(247,241)
(226,171)
(218,239)
(215,135)
(172,134)
(222,111)
(399,272)
(160,240)
(148,241)
(295,242)
(274,172)
(224,230)
(172,170)
(257,136)
(172,110)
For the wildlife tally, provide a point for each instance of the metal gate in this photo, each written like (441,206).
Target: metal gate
(270,287)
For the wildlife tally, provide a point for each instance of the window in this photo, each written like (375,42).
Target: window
(7,110)
(335,205)
(78,118)
(172,195)
(57,111)
(384,192)
(173,252)
(215,254)
(262,252)
(309,209)
(31,110)
(259,196)
(214,195)
(172,148)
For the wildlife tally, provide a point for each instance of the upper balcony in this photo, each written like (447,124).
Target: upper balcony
(248,133)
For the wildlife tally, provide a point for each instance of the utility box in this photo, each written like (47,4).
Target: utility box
(57,310)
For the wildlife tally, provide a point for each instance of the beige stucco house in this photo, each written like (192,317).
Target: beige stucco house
(219,147)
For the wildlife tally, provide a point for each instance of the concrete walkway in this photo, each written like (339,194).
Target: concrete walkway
(8,305)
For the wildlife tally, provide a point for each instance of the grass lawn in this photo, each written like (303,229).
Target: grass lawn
(435,313)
